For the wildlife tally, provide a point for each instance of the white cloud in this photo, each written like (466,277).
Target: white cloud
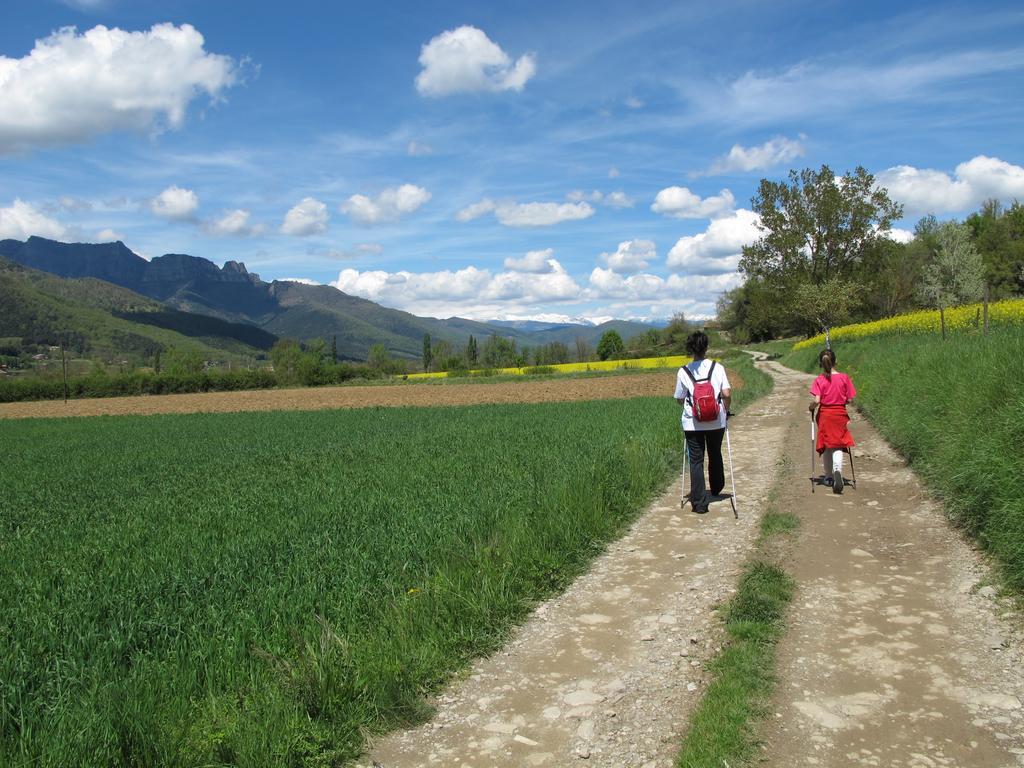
(633,102)
(534,262)
(390,205)
(717,250)
(613,173)
(513,214)
(475,210)
(925,190)
(21,220)
(899,235)
(465,60)
(74,204)
(429,292)
(631,256)
(300,280)
(73,87)
(234,223)
(108,236)
(618,199)
(815,88)
(642,288)
(419,149)
(541,214)
(681,203)
(307,217)
(174,203)
(773,152)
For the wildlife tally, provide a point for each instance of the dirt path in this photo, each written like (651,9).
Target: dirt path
(608,672)
(894,656)
(654,384)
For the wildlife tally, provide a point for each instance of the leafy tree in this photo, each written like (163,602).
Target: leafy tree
(816,226)
(553,353)
(956,274)
(286,357)
(999,237)
(584,351)
(182,361)
(610,345)
(428,356)
(334,349)
(378,357)
(755,311)
(471,352)
(827,304)
(499,352)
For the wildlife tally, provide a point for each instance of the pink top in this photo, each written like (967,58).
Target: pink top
(838,391)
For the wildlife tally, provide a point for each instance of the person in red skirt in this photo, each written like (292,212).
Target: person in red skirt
(831,391)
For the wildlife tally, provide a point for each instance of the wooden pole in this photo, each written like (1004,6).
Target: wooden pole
(64,367)
(985,331)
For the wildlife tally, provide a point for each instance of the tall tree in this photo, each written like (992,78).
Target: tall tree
(428,356)
(956,274)
(816,226)
(583,350)
(471,353)
(334,349)
(999,237)
(610,346)
(827,304)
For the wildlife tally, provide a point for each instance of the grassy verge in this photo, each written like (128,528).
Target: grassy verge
(722,727)
(953,408)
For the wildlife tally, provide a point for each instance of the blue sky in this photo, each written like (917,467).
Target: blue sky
(573,159)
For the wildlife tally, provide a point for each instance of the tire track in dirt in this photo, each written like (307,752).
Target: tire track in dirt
(894,656)
(609,671)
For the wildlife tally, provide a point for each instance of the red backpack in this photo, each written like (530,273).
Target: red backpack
(703,400)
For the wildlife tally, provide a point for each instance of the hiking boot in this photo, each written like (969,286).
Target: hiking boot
(700,510)
(837,482)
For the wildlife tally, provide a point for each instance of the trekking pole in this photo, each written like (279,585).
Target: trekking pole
(813,436)
(682,482)
(732,477)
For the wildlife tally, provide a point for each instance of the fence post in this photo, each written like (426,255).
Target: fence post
(986,310)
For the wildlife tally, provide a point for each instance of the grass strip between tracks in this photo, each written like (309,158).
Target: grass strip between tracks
(722,727)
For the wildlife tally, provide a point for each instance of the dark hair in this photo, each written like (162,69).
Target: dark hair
(827,360)
(697,343)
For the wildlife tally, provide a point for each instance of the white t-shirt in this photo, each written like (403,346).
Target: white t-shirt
(684,387)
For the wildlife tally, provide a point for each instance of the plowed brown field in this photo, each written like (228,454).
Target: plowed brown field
(313,399)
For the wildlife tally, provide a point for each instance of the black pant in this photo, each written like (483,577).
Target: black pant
(696,442)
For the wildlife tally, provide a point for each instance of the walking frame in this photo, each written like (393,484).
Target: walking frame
(818,480)
(684,494)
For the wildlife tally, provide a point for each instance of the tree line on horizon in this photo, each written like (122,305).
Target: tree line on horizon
(825,258)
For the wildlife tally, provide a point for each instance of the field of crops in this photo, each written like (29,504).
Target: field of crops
(671,361)
(255,589)
(1001,314)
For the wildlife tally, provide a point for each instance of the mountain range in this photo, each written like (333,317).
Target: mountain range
(197,286)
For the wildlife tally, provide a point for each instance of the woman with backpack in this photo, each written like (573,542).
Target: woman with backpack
(831,391)
(702,388)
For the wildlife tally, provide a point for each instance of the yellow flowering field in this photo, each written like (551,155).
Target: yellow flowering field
(1009,312)
(671,361)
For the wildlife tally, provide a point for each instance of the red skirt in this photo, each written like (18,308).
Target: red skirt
(832,431)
